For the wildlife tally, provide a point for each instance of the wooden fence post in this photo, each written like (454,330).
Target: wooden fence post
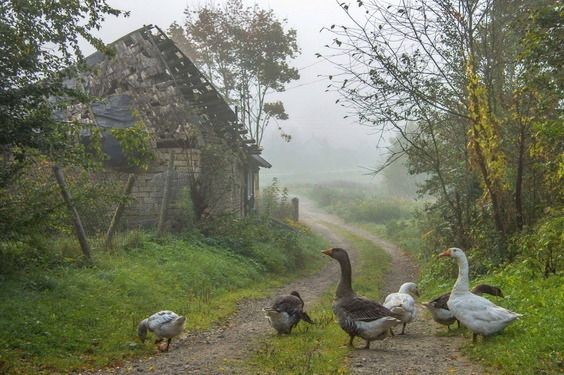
(119,211)
(79,229)
(295,209)
(166,193)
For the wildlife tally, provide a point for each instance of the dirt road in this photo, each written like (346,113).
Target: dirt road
(221,350)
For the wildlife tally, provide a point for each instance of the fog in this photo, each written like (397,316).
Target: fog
(324,145)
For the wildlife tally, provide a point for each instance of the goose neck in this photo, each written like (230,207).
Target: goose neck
(344,289)
(462,284)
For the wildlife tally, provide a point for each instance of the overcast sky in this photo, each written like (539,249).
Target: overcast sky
(313,112)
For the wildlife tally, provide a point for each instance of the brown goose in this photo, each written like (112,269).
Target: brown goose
(357,315)
(286,312)
(440,311)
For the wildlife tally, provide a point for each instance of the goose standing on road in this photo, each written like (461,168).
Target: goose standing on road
(403,303)
(358,316)
(164,324)
(478,314)
(286,312)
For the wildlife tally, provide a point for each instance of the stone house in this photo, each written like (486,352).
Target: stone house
(202,157)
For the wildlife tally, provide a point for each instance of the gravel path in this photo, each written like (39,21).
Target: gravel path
(220,350)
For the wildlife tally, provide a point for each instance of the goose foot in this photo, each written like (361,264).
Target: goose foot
(403,329)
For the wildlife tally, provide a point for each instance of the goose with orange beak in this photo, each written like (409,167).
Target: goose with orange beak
(478,314)
(439,309)
(358,316)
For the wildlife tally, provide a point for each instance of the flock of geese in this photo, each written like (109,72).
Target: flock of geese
(361,317)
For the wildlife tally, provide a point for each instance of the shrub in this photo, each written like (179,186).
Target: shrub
(258,238)
(274,201)
(543,245)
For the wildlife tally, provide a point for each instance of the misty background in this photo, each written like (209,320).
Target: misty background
(325,146)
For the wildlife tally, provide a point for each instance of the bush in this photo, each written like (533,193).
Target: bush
(32,204)
(255,237)
(543,245)
(274,201)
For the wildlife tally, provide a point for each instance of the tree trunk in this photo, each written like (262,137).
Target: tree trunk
(119,211)
(519,180)
(166,193)
(79,229)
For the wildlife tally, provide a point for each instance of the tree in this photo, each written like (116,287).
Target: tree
(452,80)
(244,51)
(39,41)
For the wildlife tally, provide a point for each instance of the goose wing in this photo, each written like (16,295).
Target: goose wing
(441,301)
(363,309)
(479,308)
(160,319)
(289,304)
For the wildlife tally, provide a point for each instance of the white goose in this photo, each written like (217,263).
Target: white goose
(478,314)
(403,303)
(439,308)
(164,324)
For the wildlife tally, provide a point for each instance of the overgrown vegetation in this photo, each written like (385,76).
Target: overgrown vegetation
(322,348)
(275,202)
(63,316)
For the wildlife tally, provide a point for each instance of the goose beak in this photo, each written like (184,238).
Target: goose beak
(445,253)
(328,251)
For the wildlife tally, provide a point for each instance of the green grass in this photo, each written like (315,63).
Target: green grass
(534,344)
(67,318)
(322,348)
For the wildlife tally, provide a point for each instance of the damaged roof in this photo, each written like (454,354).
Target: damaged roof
(204,101)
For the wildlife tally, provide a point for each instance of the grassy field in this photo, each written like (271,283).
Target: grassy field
(69,317)
(322,348)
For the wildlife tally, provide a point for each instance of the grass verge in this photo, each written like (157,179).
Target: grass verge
(322,348)
(533,344)
(68,318)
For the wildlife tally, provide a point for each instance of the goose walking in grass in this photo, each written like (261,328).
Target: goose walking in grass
(286,312)
(478,314)
(439,309)
(164,324)
(403,303)
(358,316)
